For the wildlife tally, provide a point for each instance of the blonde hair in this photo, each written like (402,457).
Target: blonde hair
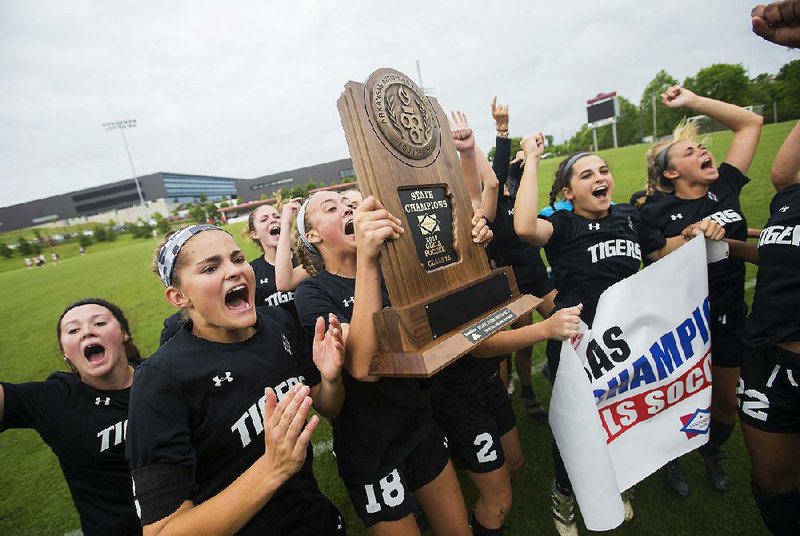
(658,164)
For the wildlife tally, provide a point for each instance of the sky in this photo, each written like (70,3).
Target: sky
(248,88)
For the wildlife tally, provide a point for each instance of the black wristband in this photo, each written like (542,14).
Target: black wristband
(160,489)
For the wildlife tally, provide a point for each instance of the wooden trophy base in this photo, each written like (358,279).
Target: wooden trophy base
(421,339)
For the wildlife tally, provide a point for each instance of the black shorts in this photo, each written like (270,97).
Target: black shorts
(388,497)
(475,424)
(727,349)
(769,390)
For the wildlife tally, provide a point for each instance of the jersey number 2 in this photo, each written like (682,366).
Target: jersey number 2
(486,453)
(392,492)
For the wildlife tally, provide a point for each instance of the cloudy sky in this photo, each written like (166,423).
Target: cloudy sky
(248,88)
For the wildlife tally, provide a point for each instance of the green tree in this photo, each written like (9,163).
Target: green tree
(212,211)
(24,247)
(162,224)
(666,118)
(787,89)
(197,214)
(100,233)
(5,251)
(84,241)
(203,198)
(722,81)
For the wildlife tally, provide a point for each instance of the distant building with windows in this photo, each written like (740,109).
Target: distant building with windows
(164,189)
(330,172)
(162,192)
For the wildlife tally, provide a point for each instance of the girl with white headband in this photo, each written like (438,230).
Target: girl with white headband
(217,437)
(387,444)
(572,240)
(700,189)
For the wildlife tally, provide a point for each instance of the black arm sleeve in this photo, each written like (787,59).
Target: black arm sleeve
(160,489)
(502,157)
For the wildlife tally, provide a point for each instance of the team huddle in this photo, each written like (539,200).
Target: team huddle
(212,433)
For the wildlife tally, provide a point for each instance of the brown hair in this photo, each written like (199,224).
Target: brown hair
(131,351)
(561,180)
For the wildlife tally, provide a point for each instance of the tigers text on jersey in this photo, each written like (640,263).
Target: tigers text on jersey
(199,404)
(671,215)
(588,256)
(267,293)
(381,422)
(774,316)
(86,430)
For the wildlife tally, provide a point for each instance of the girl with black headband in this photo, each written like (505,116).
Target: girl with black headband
(589,248)
(82,414)
(217,439)
(700,189)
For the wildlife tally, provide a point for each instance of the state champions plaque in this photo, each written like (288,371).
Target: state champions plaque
(445,299)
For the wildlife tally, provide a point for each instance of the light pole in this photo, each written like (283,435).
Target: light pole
(121,126)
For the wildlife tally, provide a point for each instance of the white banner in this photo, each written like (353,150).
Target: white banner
(634,392)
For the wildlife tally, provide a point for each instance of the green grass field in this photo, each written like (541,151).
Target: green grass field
(33,495)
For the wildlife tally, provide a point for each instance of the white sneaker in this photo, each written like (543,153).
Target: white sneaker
(563,512)
(626,502)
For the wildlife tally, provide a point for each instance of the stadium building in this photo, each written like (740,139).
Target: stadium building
(163,192)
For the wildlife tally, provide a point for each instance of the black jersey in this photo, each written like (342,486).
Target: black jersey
(267,293)
(199,404)
(774,317)
(588,256)
(506,247)
(85,428)
(381,422)
(671,215)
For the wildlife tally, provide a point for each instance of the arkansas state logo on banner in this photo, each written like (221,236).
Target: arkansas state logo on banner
(648,394)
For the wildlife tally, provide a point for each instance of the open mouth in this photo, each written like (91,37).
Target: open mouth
(349,228)
(237,299)
(94,352)
(706,164)
(275,230)
(600,192)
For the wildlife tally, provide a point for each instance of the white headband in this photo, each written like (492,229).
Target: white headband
(169,251)
(301,226)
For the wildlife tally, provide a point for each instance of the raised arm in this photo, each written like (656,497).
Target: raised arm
(287,277)
(528,226)
(778,22)
(502,147)
(374,225)
(746,125)
(228,511)
(465,145)
(490,192)
(786,167)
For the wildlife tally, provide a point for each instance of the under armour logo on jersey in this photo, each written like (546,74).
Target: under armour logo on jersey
(712,196)
(218,381)
(263,281)
(783,209)
(630,223)
(677,216)
(102,401)
(286,345)
(348,301)
(722,319)
(594,226)
(446,443)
